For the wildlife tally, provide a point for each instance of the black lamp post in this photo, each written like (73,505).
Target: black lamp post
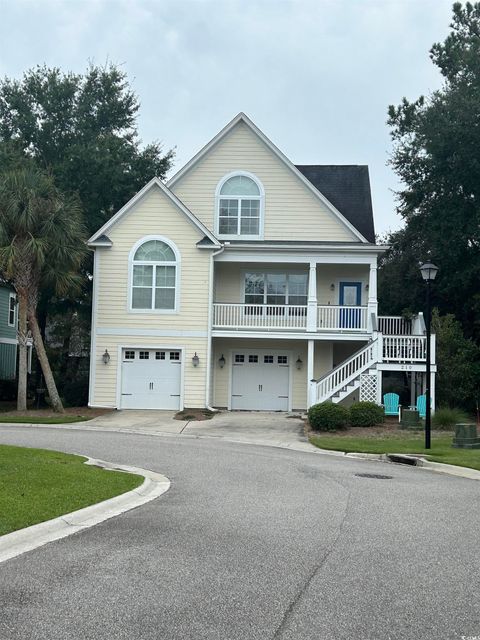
(428,271)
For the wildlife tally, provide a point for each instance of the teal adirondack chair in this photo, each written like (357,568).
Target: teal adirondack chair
(422,406)
(391,406)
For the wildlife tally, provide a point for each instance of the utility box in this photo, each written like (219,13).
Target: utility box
(466,437)
(410,419)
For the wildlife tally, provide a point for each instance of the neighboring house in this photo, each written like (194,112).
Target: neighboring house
(245,282)
(8,332)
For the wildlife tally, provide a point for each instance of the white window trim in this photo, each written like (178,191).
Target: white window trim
(177,264)
(261,222)
(12,296)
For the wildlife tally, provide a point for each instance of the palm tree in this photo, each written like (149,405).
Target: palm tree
(41,244)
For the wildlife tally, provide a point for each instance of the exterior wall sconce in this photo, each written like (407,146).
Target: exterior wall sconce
(332,287)
(195,360)
(106,357)
(299,363)
(367,287)
(221,361)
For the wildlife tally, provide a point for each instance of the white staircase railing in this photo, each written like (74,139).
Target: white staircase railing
(345,373)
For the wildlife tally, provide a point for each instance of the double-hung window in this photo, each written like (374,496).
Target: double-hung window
(240,208)
(154,277)
(12,309)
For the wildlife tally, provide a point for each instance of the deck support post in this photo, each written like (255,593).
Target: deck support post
(372,295)
(310,373)
(312,298)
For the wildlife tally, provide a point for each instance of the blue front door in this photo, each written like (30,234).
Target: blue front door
(350,296)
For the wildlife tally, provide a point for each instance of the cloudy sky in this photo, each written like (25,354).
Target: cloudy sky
(316,76)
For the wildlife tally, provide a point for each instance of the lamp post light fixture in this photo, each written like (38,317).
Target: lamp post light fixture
(106,357)
(195,360)
(429,272)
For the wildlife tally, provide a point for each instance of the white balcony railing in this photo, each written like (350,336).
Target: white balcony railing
(342,318)
(404,349)
(259,316)
(394,325)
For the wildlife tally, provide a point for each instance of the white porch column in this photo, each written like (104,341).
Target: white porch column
(379,387)
(372,295)
(310,373)
(312,298)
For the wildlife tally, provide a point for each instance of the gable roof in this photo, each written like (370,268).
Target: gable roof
(241,117)
(154,182)
(347,187)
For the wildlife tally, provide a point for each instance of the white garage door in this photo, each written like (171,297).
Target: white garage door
(151,379)
(260,380)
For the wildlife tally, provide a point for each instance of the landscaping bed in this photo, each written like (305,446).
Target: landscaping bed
(37,485)
(47,416)
(194,414)
(389,438)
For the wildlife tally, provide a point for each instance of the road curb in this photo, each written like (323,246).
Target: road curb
(307,447)
(18,542)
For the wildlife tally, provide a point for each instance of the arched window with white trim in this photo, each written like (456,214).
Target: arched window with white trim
(154,276)
(240,206)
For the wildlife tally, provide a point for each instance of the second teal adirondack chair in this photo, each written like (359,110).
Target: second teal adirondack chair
(391,406)
(422,406)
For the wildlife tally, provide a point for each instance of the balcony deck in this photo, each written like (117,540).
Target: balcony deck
(266,317)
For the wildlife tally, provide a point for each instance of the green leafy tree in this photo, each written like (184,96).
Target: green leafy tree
(42,243)
(458,359)
(437,156)
(83,129)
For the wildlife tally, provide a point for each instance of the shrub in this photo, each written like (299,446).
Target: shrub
(366,414)
(75,393)
(327,416)
(446,418)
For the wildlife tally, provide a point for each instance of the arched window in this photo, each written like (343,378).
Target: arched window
(154,276)
(240,204)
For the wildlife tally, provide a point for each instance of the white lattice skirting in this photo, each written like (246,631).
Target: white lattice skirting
(368,388)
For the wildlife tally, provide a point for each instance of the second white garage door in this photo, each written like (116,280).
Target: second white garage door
(151,379)
(260,380)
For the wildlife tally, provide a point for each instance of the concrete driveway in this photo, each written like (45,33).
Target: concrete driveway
(255,427)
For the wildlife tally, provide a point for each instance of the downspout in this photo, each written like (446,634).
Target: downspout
(209,329)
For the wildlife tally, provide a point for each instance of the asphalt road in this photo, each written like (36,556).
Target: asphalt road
(254,543)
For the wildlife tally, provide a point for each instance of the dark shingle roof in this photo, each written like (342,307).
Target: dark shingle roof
(347,187)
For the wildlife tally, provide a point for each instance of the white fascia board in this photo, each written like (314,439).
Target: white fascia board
(241,117)
(327,248)
(100,244)
(154,182)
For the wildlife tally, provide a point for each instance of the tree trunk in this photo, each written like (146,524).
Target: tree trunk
(42,356)
(22,352)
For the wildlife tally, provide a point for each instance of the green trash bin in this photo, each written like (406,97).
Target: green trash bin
(410,419)
(466,436)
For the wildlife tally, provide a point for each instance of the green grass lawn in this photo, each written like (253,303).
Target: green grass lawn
(37,485)
(441,450)
(63,419)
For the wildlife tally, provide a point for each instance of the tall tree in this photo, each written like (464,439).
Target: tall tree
(437,156)
(41,244)
(83,129)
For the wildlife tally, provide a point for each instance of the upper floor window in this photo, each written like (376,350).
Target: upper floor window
(240,206)
(154,276)
(12,309)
